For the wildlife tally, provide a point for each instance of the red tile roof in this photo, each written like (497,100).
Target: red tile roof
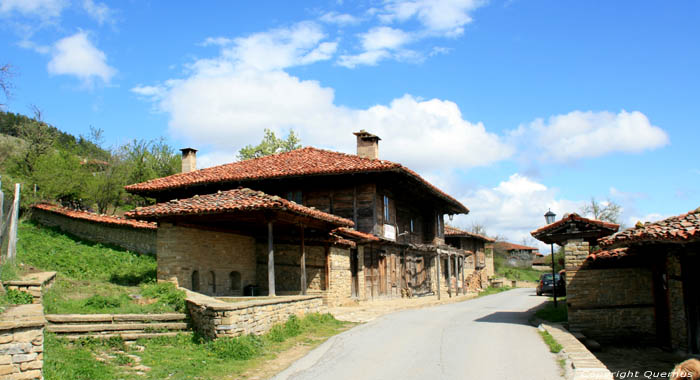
(607,254)
(510,246)
(92,217)
(349,232)
(300,162)
(456,232)
(578,218)
(240,199)
(677,229)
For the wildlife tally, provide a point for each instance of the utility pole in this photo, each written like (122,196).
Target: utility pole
(14,219)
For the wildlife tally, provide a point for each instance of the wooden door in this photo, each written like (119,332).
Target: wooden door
(381,263)
(371,276)
(691,296)
(354,283)
(661,305)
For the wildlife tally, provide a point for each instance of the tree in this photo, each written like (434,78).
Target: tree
(478,229)
(5,82)
(270,144)
(608,211)
(105,188)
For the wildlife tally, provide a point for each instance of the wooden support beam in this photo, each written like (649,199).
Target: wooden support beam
(463,284)
(14,219)
(303,263)
(270,261)
(438,275)
(449,275)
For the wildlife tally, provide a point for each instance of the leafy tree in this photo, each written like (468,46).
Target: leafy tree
(59,176)
(105,188)
(5,82)
(608,211)
(270,144)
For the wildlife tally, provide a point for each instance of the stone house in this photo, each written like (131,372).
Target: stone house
(479,260)
(639,285)
(517,255)
(396,217)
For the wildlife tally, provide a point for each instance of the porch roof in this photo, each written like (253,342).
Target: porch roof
(574,226)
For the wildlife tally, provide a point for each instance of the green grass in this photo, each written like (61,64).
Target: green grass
(513,273)
(554,346)
(552,314)
(185,356)
(94,278)
(491,290)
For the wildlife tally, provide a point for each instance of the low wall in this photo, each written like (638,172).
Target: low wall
(133,235)
(22,342)
(34,284)
(126,326)
(214,318)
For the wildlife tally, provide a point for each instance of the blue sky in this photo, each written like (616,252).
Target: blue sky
(511,106)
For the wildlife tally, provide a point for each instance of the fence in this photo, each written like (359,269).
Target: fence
(8,223)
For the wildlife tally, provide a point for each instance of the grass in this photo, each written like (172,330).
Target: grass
(514,273)
(552,314)
(554,346)
(184,356)
(94,278)
(491,290)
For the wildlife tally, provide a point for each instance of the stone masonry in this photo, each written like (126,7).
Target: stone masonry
(33,284)
(22,342)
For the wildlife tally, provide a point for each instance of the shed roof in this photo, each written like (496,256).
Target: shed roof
(224,202)
(300,162)
(683,228)
(456,232)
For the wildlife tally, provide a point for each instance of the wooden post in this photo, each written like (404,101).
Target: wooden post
(303,263)
(463,285)
(2,210)
(438,274)
(449,275)
(14,218)
(270,262)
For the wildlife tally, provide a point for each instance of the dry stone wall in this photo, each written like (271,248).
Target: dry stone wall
(340,276)
(141,240)
(22,343)
(33,284)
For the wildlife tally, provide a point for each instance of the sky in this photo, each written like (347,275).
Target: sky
(513,107)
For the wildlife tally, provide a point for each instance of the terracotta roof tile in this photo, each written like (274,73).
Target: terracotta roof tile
(89,216)
(354,234)
(456,232)
(602,254)
(240,199)
(509,246)
(677,229)
(578,218)
(300,162)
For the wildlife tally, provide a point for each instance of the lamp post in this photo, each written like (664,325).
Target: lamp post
(550,217)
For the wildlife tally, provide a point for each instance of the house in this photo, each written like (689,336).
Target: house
(480,254)
(395,234)
(517,255)
(639,285)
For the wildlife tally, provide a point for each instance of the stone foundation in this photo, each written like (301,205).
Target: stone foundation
(22,342)
(215,319)
(34,284)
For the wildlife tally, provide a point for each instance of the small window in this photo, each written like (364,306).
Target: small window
(386,210)
(412,226)
(439,225)
(235,280)
(294,196)
(195,281)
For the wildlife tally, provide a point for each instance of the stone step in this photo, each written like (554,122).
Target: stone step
(67,329)
(83,318)
(125,336)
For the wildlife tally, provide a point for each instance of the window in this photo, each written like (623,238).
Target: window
(412,225)
(386,210)
(439,225)
(195,281)
(235,280)
(294,196)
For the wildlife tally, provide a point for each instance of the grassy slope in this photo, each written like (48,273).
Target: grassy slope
(511,273)
(93,278)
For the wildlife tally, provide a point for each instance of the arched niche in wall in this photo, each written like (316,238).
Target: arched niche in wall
(235,281)
(195,281)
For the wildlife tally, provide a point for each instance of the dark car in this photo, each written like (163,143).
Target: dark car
(546,286)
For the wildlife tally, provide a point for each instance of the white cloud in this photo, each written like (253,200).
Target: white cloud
(438,17)
(370,58)
(98,11)
(43,9)
(76,55)
(217,41)
(339,18)
(578,135)
(515,207)
(652,217)
(378,43)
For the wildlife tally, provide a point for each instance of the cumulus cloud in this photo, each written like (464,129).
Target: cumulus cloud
(515,207)
(75,55)
(378,43)
(578,135)
(339,18)
(100,12)
(44,9)
(438,17)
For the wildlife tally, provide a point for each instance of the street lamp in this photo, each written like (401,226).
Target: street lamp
(549,217)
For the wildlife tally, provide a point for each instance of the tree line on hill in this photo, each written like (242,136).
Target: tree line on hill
(78,172)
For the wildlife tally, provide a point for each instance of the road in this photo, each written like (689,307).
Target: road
(483,338)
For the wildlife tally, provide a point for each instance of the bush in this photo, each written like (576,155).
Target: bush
(102,302)
(18,297)
(166,293)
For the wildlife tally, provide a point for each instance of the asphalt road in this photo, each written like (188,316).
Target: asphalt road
(484,338)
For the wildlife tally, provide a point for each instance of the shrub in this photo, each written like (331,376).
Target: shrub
(102,302)
(240,348)
(18,297)
(166,293)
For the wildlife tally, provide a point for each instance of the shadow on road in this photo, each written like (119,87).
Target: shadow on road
(510,317)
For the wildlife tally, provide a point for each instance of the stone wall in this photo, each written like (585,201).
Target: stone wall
(141,240)
(215,319)
(230,257)
(34,284)
(340,279)
(125,326)
(679,327)
(575,253)
(22,342)
(490,269)
(611,304)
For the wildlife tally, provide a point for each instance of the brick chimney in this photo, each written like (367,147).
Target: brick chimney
(189,160)
(367,144)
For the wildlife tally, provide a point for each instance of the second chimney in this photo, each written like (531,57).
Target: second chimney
(367,144)
(189,160)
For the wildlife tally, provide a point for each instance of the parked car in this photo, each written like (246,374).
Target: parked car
(546,285)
